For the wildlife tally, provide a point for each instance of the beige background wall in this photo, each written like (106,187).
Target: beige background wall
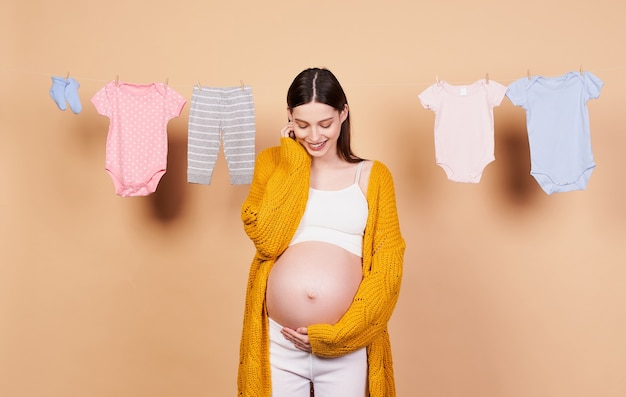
(507,292)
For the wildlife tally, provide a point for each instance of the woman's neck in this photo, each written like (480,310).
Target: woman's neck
(327,163)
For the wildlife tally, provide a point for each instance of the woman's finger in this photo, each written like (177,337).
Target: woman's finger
(287,131)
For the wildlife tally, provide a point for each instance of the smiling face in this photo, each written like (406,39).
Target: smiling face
(317,127)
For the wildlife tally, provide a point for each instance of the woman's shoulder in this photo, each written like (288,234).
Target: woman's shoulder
(378,169)
(374,173)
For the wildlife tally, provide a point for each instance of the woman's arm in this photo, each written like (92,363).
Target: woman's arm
(277,197)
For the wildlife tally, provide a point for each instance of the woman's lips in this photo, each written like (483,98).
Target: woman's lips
(316,146)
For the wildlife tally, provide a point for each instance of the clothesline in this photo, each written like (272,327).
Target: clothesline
(403,84)
(467,150)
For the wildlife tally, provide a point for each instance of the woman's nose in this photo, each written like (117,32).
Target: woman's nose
(314,134)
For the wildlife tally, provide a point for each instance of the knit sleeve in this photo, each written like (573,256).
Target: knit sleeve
(278,195)
(376,297)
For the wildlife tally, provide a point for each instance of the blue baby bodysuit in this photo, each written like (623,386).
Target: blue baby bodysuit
(561,158)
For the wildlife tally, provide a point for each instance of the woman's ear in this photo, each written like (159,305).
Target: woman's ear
(344,113)
(289,115)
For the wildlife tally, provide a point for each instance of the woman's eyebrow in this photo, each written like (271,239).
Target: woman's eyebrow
(321,121)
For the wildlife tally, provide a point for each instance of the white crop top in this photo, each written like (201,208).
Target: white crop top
(335,216)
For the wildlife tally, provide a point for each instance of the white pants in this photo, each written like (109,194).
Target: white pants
(293,370)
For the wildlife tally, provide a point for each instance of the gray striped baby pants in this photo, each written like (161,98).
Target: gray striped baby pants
(221,116)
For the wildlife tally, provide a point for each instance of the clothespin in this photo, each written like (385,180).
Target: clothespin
(167,82)
(67,76)
(242,87)
(437,79)
(487,77)
(117,79)
(581,69)
(199,85)
(528,73)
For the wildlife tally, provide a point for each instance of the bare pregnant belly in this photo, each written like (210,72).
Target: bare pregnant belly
(312,283)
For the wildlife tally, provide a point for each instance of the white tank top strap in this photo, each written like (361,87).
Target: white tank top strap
(358,173)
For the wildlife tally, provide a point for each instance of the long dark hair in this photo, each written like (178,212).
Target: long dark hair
(320,85)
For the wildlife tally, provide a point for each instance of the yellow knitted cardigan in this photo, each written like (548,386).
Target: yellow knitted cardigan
(271,214)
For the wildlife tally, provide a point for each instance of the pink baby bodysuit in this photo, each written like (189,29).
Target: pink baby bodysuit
(136,149)
(464,127)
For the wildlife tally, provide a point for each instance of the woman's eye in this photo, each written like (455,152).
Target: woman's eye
(326,125)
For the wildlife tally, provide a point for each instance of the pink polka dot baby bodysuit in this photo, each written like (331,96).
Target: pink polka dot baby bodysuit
(136,149)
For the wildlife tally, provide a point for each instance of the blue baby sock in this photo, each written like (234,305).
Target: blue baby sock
(57,91)
(71,94)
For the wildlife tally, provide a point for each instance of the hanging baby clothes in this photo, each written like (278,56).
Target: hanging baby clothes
(65,91)
(136,149)
(216,115)
(464,126)
(557,119)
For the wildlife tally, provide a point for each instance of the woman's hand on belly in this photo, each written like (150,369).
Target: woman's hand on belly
(299,337)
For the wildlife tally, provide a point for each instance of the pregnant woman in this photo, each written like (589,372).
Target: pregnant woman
(328,265)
